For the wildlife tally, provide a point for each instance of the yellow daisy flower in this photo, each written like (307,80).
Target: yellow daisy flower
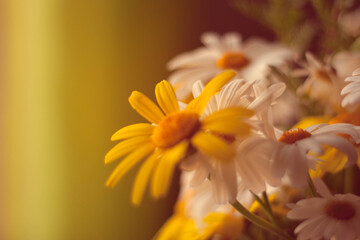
(335,160)
(223,226)
(172,135)
(179,226)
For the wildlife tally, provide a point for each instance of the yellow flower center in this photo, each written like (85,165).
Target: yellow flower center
(174,128)
(340,210)
(294,135)
(323,75)
(233,61)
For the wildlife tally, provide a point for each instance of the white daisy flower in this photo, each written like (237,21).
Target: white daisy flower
(198,216)
(350,22)
(250,60)
(328,216)
(351,92)
(199,201)
(291,151)
(322,83)
(250,168)
(345,62)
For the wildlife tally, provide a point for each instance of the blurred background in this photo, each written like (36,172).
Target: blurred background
(67,69)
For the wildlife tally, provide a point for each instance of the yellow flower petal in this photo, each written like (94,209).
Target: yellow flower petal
(166,97)
(228,121)
(210,89)
(213,146)
(222,224)
(178,227)
(229,126)
(171,228)
(145,107)
(135,130)
(255,205)
(124,147)
(309,121)
(143,176)
(235,113)
(334,161)
(127,163)
(163,173)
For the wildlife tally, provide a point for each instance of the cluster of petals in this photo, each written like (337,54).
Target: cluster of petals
(198,216)
(322,81)
(250,60)
(350,22)
(172,134)
(325,80)
(248,168)
(226,144)
(297,150)
(351,91)
(328,216)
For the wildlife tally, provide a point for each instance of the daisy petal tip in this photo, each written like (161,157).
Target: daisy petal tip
(116,136)
(110,183)
(135,201)
(134,94)
(356,72)
(163,82)
(108,159)
(229,73)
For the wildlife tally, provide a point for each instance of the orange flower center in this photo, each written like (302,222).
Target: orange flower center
(294,135)
(323,75)
(233,61)
(340,210)
(174,128)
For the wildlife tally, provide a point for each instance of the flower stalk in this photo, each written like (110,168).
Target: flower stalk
(261,222)
(265,205)
(312,187)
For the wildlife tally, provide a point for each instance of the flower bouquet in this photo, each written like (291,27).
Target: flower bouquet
(266,134)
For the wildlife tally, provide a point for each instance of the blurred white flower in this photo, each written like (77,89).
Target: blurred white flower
(322,83)
(249,59)
(199,201)
(350,22)
(286,111)
(328,216)
(351,92)
(198,216)
(326,80)
(345,63)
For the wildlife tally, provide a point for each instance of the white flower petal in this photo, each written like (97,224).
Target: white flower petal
(232,41)
(212,42)
(197,88)
(321,188)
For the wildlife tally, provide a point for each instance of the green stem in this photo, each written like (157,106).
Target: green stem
(349,179)
(267,204)
(312,187)
(267,210)
(260,222)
